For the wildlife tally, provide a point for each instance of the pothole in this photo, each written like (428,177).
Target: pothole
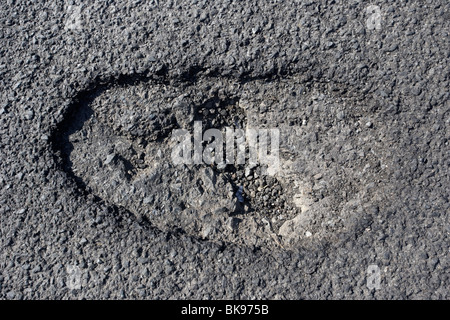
(119,144)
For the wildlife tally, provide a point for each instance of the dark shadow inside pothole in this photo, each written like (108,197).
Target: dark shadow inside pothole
(60,140)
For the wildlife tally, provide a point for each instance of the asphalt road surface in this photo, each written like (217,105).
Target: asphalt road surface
(93,206)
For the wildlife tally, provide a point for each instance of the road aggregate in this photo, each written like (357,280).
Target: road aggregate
(91,207)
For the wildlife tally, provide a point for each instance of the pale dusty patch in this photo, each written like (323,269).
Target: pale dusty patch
(292,229)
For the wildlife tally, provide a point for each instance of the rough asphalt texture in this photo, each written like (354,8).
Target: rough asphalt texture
(370,108)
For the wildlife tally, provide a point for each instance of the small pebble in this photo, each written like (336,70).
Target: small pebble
(29,114)
(109,158)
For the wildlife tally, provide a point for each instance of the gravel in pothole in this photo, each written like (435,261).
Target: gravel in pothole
(118,144)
